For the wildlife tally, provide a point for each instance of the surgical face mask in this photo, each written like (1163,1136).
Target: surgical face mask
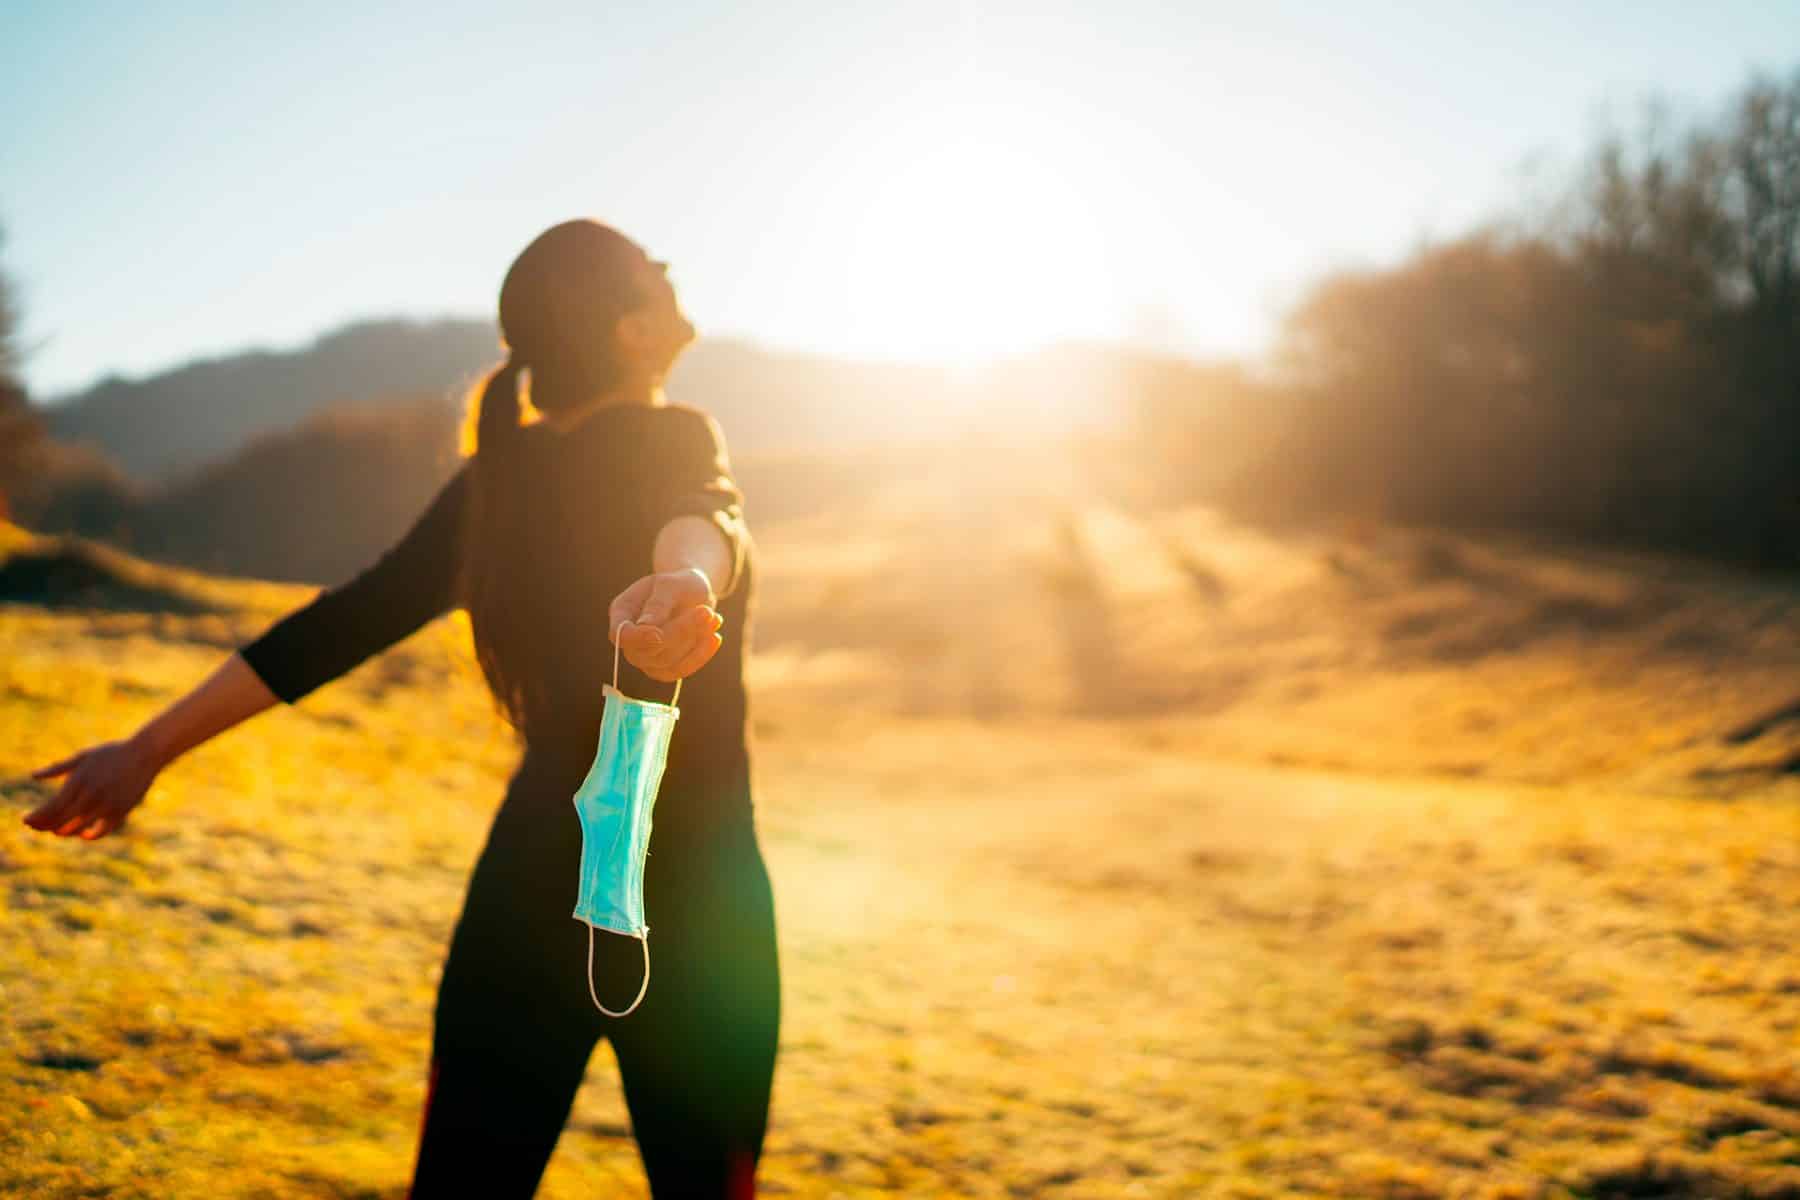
(614,803)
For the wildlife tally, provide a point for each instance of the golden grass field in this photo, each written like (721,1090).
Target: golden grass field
(1117,852)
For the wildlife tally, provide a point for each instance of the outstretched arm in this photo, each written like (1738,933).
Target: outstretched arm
(102,784)
(229,696)
(410,584)
(333,632)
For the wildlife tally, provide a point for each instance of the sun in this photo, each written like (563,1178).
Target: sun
(971,239)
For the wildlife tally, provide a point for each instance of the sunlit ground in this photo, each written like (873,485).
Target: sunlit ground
(1115,854)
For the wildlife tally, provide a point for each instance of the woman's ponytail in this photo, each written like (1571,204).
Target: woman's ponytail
(498,526)
(500,413)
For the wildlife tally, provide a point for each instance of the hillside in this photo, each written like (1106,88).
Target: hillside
(164,425)
(161,425)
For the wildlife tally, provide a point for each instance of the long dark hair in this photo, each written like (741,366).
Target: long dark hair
(559,304)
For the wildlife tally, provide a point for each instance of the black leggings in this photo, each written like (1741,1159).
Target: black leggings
(515,1024)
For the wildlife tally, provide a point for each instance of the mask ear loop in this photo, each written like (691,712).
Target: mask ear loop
(645,941)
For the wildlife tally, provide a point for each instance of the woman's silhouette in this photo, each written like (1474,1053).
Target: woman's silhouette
(614,507)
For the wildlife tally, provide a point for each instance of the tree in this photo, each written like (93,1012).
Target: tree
(1627,374)
(22,435)
(1761,152)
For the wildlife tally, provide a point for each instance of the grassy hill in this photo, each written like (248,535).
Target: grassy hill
(1116,852)
(173,421)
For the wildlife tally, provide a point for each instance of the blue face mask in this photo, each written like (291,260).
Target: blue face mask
(614,803)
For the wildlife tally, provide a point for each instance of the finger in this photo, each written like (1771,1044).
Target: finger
(658,658)
(646,654)
(669,672)
(685,632)
(690,626)
(75,823)
(664,661)
(640,641)
(100,828)
(628,604)
(700,656)
(57,768)
(680,637)
(54,811)
(697,657)
(661,604)
(696,622)
(115,821)
(79,815)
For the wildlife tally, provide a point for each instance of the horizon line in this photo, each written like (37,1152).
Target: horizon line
(204,357)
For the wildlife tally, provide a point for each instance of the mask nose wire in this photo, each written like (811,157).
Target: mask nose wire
(616,637)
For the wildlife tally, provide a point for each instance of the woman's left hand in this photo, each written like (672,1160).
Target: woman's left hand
(665,624)
(101,786)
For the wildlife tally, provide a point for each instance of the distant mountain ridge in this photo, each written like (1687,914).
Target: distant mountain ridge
(175,422)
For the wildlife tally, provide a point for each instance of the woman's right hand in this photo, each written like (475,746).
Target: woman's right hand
(102,785)
(666,624)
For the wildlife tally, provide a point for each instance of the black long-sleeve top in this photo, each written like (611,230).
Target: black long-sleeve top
(602,490)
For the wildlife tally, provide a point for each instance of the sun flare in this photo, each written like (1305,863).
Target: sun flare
(970,244)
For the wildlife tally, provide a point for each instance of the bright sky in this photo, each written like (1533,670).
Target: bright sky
(928,180)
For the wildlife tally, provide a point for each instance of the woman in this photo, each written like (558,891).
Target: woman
(613,501)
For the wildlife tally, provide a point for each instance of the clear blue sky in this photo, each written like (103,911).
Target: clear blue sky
(929,179)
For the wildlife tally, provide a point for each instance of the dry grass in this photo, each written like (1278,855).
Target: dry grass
(1115,855)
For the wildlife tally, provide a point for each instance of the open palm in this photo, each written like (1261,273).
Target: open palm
(665,624)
